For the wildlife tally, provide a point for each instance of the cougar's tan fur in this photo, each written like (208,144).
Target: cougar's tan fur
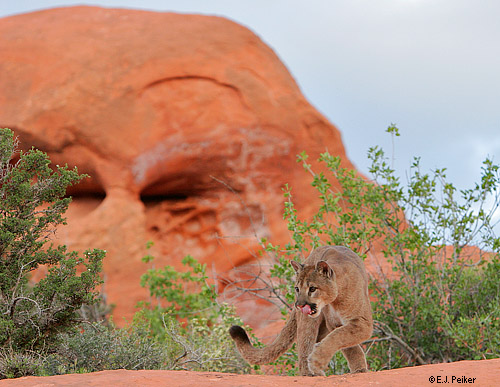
(332,312)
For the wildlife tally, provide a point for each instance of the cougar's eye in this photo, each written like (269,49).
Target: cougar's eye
(312,289)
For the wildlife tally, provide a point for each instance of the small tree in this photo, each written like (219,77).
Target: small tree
(32,203)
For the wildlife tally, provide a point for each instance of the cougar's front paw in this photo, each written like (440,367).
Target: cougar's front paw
(316,361)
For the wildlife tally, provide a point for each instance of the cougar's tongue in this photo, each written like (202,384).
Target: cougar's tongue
(306,309)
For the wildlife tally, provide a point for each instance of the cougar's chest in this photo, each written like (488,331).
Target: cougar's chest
(333,318)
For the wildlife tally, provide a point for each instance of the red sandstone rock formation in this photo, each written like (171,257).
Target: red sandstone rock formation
(165,112)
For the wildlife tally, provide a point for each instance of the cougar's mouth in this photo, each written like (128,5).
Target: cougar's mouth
(308,309)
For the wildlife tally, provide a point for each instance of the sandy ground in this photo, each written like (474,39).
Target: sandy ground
(477,373)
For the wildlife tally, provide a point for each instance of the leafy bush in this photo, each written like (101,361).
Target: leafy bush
(187,318)
(32,203)
(99,346)
(179,330)
(439,300)
(14,364)
(183,294)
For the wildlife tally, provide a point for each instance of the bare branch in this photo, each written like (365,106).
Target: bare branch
(389,335)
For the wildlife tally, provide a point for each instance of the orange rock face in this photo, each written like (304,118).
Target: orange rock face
(188,125)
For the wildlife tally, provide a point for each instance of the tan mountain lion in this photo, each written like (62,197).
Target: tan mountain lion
(332,312)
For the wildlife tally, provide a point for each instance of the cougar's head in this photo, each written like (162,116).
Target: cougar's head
(315,287)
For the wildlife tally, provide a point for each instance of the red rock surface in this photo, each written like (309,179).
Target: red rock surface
(165,112)
(470,373)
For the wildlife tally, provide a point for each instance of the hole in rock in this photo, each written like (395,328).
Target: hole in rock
(86,196)
(84,203)
(172,197)
(174,191)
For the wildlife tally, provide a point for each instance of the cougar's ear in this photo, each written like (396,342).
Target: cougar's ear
(296,266)
(324,268)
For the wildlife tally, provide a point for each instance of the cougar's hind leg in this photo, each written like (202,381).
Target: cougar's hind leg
(356,359)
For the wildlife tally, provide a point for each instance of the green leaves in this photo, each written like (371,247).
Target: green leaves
(32,203)
(185,316)
(440,244)
(185,293)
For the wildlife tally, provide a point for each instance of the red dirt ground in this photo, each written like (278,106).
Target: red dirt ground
(477,373)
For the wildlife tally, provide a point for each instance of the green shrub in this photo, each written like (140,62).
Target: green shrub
(183,294)
(18,364)
(438,302)
(185,315)
(99,346)
(180,329)
(32,203)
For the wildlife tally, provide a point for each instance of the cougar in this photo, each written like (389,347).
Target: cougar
(332,312)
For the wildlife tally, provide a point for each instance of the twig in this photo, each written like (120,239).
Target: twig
(389,335)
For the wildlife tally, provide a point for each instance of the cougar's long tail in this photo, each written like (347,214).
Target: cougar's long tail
(271,352)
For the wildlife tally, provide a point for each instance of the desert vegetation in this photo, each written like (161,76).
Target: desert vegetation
(434,289)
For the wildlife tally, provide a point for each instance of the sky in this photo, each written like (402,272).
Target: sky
(432,67)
